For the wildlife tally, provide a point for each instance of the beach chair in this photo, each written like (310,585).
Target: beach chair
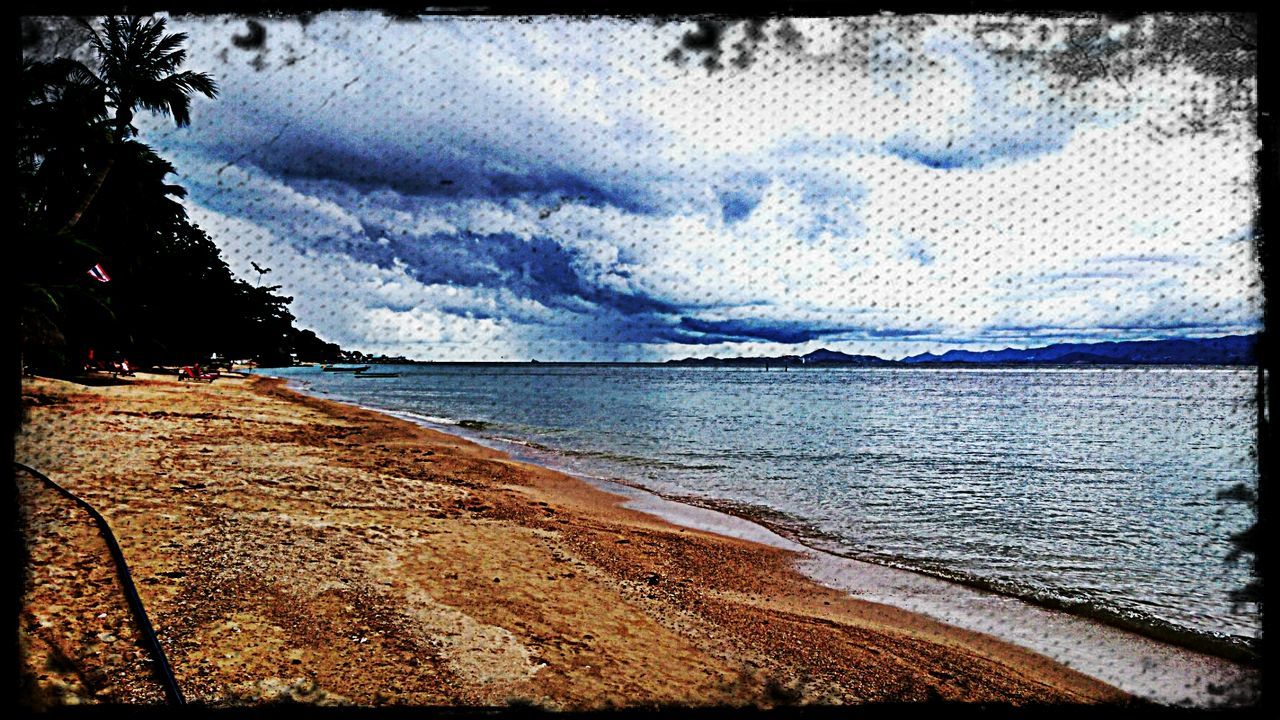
(188,372)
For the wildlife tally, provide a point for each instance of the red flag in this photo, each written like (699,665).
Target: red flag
(97,273)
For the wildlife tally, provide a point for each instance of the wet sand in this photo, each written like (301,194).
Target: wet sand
(1161,672)
(291,548)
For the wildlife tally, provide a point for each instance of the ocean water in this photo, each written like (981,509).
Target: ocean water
(1093,490)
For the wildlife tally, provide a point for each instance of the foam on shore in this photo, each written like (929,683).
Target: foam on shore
(1147,668)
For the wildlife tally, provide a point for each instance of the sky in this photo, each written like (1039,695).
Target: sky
(562,189)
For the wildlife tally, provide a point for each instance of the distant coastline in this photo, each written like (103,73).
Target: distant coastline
(1229,350)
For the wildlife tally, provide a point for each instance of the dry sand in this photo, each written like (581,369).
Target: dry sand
(295,549)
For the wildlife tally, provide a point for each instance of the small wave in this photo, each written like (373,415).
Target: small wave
(640,460)
(433,419)
(607,456)
(524,443)
(440,420)
(410,415)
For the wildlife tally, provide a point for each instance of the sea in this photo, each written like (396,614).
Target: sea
(1108,492)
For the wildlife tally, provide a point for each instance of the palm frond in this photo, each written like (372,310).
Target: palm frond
(196,82)
(169,51)
(79,74)
(173,94)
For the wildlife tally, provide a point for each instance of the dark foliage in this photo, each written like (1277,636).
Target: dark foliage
(88,194)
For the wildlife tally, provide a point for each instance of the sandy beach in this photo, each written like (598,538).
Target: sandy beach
(294,549)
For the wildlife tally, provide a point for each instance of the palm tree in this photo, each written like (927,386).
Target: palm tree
(61,125)
(139,68)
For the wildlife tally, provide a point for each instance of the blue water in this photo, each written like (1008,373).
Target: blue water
(1088,488)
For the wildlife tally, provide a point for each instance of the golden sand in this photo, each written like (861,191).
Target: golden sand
(294,549)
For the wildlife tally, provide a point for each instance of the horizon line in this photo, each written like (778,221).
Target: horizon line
(532,360)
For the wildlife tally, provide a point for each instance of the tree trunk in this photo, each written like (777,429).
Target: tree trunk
(93,193)
(122,120)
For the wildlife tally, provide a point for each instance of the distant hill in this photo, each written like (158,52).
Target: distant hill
(1229,350)
(823,356)
(752,361)
(817,357)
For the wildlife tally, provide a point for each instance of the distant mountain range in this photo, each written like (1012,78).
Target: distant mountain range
(1229,350)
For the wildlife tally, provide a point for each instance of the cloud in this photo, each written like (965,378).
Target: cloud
(486,188)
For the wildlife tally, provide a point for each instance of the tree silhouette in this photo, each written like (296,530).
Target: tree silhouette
(171,297)
(139,68)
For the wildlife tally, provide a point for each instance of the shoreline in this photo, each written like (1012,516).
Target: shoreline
(1166,655)
(452,561)
(1232,648)
(1099,649)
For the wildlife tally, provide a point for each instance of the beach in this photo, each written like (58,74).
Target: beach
(293,548)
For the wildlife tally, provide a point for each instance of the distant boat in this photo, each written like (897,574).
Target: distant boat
(377,374)
(335,368)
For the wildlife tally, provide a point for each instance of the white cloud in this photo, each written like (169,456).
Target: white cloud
(1059,212)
